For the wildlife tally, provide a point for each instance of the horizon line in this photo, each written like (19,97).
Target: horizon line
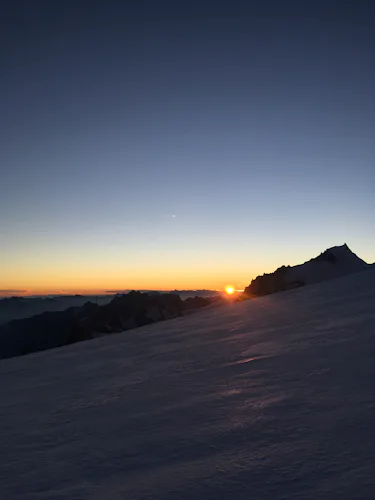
(96,292)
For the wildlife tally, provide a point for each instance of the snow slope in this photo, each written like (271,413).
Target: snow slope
(271,398)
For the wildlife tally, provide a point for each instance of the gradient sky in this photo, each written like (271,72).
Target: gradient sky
(154,144)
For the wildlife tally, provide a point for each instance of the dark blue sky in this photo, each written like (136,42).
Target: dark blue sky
(167,144)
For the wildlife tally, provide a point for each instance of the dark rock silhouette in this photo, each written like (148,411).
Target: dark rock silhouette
(272,283)
(124,312)
(198,302)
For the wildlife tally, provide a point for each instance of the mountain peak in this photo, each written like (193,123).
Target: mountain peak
(334,262)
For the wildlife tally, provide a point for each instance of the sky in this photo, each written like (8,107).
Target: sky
(176,145)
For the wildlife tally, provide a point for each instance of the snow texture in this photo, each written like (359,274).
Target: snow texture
(271,398)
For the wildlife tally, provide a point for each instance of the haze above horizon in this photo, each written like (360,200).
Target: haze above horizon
(161,145)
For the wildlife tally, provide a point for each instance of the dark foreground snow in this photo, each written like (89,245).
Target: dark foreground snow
(268,399)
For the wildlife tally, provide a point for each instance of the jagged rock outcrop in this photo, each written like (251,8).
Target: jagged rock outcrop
(272,283)
(333,263)
(124,312)
(138,308)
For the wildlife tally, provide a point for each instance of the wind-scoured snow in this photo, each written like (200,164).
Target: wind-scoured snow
(273,398)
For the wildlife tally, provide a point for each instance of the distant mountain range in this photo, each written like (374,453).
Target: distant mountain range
(184,294)
(124,312)
(333,263)
(25,307)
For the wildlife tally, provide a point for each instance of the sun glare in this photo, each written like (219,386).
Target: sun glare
(229,290)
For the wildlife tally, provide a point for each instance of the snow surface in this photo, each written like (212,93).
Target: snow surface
(271,398)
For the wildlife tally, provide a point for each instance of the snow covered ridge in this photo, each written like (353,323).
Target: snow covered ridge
(267,399)
(333,263)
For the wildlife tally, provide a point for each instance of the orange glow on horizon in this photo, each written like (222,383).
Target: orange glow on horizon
(89,279)
(229,290)
(82,284)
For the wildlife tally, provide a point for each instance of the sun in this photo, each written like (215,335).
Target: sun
(230,290)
